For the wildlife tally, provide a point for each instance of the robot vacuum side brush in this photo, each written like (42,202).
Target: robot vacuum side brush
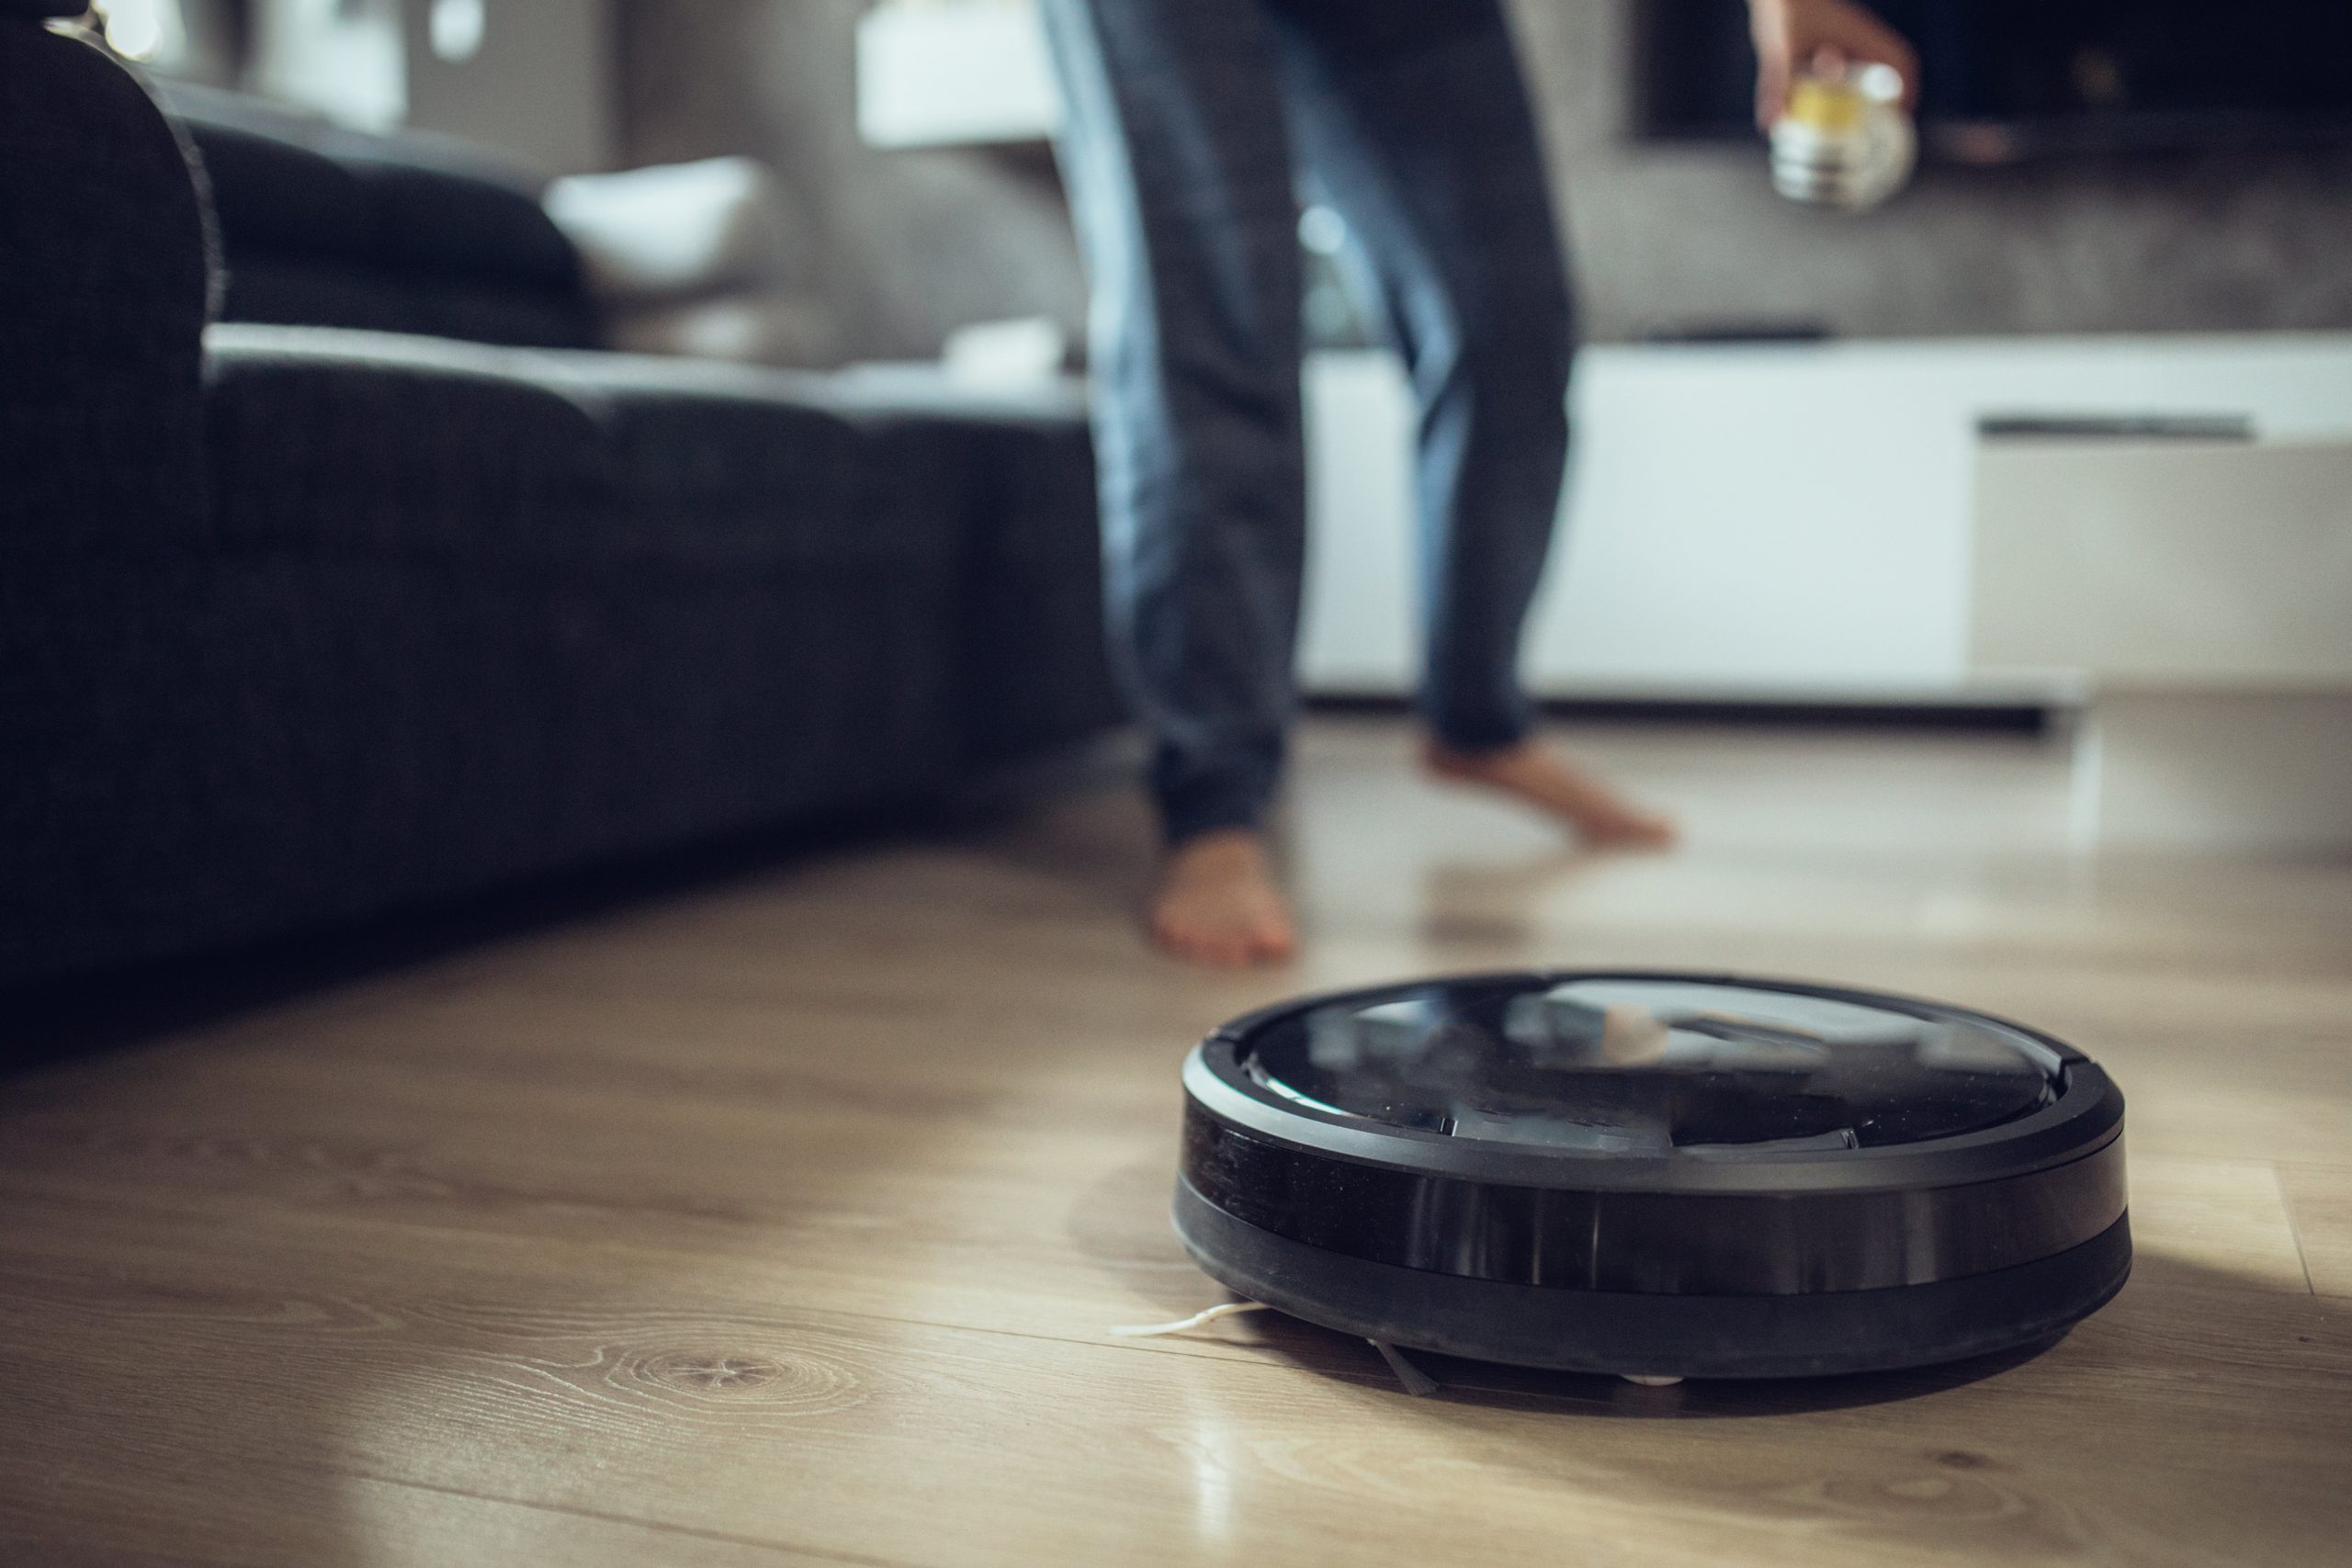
(1656,1175)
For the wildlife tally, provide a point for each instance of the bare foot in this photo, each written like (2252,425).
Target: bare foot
(1545,779)
(1216,903)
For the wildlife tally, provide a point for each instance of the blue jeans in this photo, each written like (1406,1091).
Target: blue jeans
(1191,128)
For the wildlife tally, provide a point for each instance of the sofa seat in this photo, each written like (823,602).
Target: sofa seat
(585,603)
(395,444)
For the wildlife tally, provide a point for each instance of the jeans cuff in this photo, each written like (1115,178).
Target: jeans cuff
(1494,730)
(1209,807)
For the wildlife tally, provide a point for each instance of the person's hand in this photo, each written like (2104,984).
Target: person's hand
(1794,34)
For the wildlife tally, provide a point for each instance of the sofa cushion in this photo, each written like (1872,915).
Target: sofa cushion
(407,232)
(376,444)
(724,442)
(1034,671)
(311,291)
(379,442)
(1035,451)
(271,193)
(442,207)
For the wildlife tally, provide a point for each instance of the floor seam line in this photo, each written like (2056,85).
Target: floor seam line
(572,1511)
(2294,1226)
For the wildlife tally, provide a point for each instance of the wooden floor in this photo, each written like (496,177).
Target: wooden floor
(782,1221)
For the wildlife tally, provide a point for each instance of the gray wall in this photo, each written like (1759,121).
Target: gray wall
(1668,235)
(911,245)
(917,243)
(541,88)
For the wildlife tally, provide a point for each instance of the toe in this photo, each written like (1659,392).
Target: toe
(1226,952)
(1276,944)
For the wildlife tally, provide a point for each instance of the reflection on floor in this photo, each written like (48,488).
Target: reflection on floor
(783,1220)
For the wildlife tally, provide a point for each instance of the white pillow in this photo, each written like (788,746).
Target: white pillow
(681,230)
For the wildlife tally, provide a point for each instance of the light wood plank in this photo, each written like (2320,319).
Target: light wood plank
(2320,1201)
(2225,1218)
(782,1220)
(90,1510)
(655,1397)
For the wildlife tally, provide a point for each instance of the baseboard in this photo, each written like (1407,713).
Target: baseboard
(2004,715)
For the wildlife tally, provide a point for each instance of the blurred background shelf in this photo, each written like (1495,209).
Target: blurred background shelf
(2203,590)
(954,72)
(1770,519)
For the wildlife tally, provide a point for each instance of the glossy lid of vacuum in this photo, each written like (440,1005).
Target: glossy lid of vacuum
(1682,1082)
(1651,1066)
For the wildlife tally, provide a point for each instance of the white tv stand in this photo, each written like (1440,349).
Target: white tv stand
(1785,522)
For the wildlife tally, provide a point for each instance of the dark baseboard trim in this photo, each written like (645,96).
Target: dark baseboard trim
(2001,716)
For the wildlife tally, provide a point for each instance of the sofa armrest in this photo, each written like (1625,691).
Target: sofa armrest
(104,281)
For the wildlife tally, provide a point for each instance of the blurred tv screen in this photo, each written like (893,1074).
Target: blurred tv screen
(2007,79)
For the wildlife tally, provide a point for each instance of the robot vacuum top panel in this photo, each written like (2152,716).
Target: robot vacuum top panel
(1674,1082)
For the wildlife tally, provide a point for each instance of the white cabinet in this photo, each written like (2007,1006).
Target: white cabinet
(954,72)
(2192,565)
(2204,591)
(1789,521)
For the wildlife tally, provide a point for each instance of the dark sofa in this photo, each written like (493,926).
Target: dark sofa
(302,619)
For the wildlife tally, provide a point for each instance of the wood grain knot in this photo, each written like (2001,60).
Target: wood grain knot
(1939,1494)
(740,1380)
(698,1371)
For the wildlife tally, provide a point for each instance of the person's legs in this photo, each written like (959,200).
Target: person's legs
(1413,120)
(1177,163)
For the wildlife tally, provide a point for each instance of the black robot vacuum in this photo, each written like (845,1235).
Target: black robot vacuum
(1656,1175)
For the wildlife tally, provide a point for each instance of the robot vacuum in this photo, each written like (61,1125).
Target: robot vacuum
(1656,1175)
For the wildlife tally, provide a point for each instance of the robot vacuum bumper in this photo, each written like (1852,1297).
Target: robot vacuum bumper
(1656,1175)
